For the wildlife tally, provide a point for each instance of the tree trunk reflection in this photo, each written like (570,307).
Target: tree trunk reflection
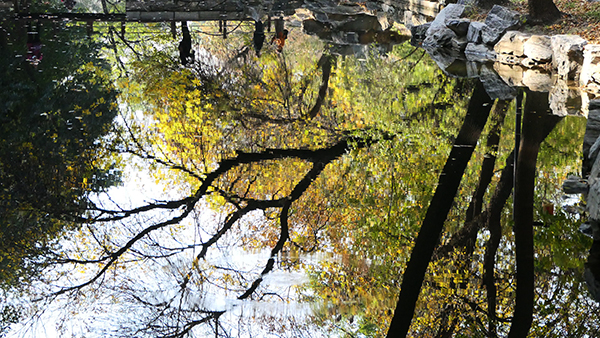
(429,234)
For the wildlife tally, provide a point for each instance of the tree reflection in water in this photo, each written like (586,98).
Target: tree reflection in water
(378,159)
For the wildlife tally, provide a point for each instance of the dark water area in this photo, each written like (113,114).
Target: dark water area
(284,169)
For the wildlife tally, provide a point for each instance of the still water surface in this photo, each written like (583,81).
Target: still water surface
(270,177)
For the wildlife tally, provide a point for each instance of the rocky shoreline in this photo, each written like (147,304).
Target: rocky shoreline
(565,66)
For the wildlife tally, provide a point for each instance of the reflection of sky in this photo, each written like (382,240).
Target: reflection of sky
(104,309)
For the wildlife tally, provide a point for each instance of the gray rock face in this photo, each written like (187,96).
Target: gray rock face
(567,55)
(575,185)
(360,23)
(459,43)
(443,57)
(474,31)
(595,149)
(538,48)
(495,86)
(439,37)
(345,37)
(473,69)
(592,132)
(420,32)
(498,21)
(459,26)
(452,11)
(512,43)
(479,53)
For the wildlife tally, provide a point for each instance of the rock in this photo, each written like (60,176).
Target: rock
(528,63)
(590,70)
(419,32)
(384,21)
(439,37)
(564,100)
(459,43)
(592,230)
(341,37)
(452,11)
(479,53)
(473,69)
(474,32)
(314,27)
(593,153)
(592,132)
(408,19)
(508,59)
(498,21)
(320,16)
(494,85)
(459,26)
(537,80)
(443,57)
(567,55)
(512,43)
(538,48)
(411,18)
(361,23)
(575,185)
(593,195)
(510,74)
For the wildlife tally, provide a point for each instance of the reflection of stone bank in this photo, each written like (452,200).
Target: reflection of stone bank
(349,27)
(349,33)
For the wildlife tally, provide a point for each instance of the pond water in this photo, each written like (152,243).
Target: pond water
(282,169)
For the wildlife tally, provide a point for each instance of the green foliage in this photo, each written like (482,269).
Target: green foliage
(52,150)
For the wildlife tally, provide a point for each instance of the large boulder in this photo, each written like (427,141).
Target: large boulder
(452,11)
(567,55)
(360,23)
(538,48)
(439,37)
(438,34)
(512,43)
(445,58)
(590,70)
(498,21)
(474,32)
